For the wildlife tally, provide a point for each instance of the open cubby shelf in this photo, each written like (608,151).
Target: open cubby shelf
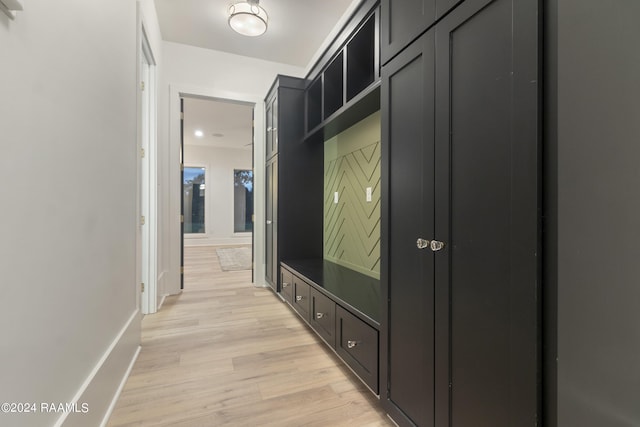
(314,103)
(351,72)
(334,86)
(361,59)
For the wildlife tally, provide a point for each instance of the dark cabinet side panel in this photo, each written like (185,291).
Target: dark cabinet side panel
(408,99)
(486,213)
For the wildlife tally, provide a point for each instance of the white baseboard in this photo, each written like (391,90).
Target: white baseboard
(161,301)
(217,241)
(114,401)
(101,389)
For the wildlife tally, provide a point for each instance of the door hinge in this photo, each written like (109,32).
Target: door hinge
(142,86)
(142,220)
(181,115)
(182,218)
(181,166)
(181,270)
(142,287)
(142,153)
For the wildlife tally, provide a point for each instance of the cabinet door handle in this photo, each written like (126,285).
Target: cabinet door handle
(269,221)
(319,315)
(285,284)
(422,243)
(299,297)
(269,129)
(436,245)
(351,344)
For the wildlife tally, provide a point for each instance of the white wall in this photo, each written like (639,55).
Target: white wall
(195,71)
(219,193)
(68,309)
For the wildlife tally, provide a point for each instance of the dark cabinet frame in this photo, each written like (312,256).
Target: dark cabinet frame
(297,176)
(524,356)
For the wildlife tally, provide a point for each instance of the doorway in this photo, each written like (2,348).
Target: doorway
(217,178)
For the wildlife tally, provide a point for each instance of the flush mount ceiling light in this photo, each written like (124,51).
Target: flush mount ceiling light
(248,18)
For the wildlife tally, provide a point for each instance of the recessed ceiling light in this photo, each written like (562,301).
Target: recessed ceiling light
(199,133)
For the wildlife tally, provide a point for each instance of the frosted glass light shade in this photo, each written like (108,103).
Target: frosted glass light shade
(248,18)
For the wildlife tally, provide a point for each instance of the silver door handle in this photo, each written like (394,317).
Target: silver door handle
(268,221)
(319,315)
(422,243)
(436,245)
(351,344)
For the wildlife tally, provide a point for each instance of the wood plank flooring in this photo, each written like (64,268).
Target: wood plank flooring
(224,353)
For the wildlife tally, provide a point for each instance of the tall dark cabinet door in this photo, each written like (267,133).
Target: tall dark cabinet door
(402,21)
(408,136)
(486,170)
(270,134)
(274,126)
(271,249)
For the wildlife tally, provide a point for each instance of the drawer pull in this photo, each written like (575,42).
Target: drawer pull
(319,315)
(351,344)
(299,297)
(285,284)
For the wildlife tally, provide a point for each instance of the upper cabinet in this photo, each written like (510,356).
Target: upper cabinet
(271,147)
(346,88)
(405,20)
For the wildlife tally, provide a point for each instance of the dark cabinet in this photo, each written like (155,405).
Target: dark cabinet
(271,227)
(286,285)
(301,294)
(271,110)
(404,20)
(408,130)
(460,127)
(323,317)
(342,307)
(357,345)
(292,168)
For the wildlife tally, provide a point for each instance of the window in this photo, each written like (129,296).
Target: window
(242,201)
(193,188)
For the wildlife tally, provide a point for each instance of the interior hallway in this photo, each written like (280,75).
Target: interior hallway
(226,353)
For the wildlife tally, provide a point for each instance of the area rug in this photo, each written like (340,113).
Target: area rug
(234,259)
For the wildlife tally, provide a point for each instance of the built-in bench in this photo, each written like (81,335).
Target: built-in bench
(342,306)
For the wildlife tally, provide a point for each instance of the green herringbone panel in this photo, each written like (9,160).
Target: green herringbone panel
(352,226)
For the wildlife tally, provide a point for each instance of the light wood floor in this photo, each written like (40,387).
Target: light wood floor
(224,353)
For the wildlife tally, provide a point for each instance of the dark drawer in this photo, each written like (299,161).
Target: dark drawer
(323,317)
(357,345)
(286,285)
(300,300)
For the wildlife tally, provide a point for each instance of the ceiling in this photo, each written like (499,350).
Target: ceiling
(223,124)
(297,28)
